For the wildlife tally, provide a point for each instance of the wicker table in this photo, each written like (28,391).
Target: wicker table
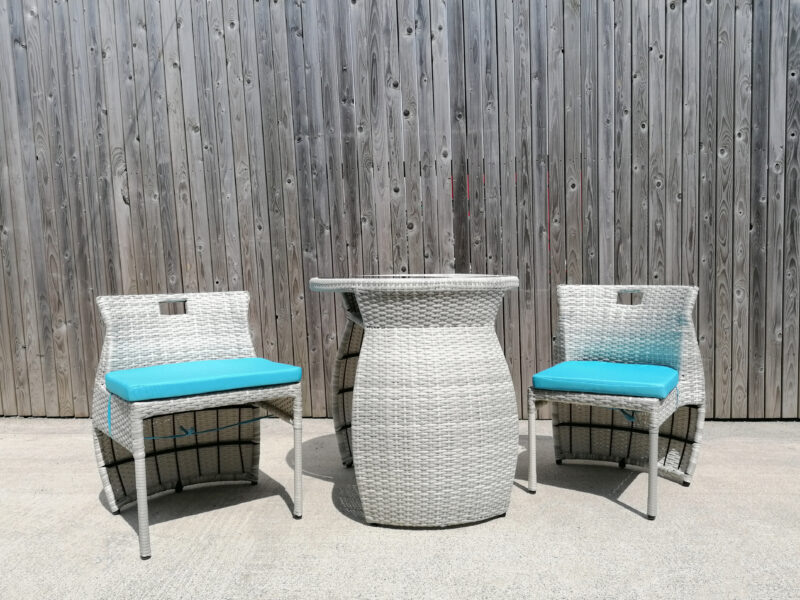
(434,417)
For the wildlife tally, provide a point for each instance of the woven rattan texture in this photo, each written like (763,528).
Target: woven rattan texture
(215,326)
(434,420)
(592,325)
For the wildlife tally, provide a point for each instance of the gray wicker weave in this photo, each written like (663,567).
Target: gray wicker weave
(664,435)
(133,467)
(434,417)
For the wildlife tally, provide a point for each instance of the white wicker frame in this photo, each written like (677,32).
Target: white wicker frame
(215,326)
(665,435)
(434,418)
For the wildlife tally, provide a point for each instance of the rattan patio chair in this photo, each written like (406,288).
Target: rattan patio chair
(185,422)
(632,414)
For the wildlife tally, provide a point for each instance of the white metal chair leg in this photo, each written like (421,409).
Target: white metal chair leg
(298,469)
(652,478)
(141,505)
(531,443)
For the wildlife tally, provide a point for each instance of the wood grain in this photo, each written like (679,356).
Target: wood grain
(252,144)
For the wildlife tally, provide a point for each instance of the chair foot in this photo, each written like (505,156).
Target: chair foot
(297,517)
(558,461)
(687,483)
(115,512)
(622,464)
(651,517)
(531,492)
(145,557)
(179,488)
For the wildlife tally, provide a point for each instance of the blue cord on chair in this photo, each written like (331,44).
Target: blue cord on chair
(186,432)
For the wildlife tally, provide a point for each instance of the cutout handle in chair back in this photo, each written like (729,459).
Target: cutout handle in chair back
(214,324)
(593,325)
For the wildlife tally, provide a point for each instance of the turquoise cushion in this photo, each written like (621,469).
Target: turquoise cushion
(619,379)
(198,377)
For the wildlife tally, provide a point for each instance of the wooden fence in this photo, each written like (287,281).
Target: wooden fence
(188,145)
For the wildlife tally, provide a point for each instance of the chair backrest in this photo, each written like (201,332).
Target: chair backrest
(593,325)
(214,326)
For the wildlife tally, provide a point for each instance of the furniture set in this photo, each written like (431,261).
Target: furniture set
(424,407)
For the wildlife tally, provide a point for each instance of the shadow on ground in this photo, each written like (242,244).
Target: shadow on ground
(604,479)
(204,497)
(321,461)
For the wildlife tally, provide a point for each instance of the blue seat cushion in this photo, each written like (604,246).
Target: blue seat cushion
(618,379)
(198,377)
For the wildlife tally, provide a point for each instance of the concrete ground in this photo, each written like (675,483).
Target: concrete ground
(735,533)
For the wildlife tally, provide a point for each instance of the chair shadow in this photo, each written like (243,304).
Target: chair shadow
(205,497)
(590,477)
(321,461)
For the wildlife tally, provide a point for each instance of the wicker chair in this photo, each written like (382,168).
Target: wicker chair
(662,435)
(147,447)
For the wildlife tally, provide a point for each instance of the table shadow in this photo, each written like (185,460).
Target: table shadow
(321,460)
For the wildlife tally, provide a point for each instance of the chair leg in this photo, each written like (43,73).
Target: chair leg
(531,444)
(298,468)
(141,505)
(652,477)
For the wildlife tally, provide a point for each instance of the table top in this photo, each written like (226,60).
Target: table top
(445,282)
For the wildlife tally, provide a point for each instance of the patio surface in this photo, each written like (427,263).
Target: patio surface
(735,533)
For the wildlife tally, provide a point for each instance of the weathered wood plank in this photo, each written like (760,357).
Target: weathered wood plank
(589,137)
(42,166)
(657,127)
(623,151)
(440,56)
(318,203)
(66,186)
(241,165)
(458,136)
(207,112)
(541,275)
(573,101)
(674,142)
(724,188)
(525,223)
(741,208)
(287,129)
(95,140)
(707,193)
(119,29)
(474,68)
(178,151)
(491,143)
(266,326)
(359,28)
(190,107)
(394,139)
(556,182)
(146,127)
(275,215)
(691,142)
(15,372)
(80,317)
(345,54)
(776,209)
(508,200)
(758,211)
(410,83)
(791,312)
(606,83)
(120,187)
(640,179)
